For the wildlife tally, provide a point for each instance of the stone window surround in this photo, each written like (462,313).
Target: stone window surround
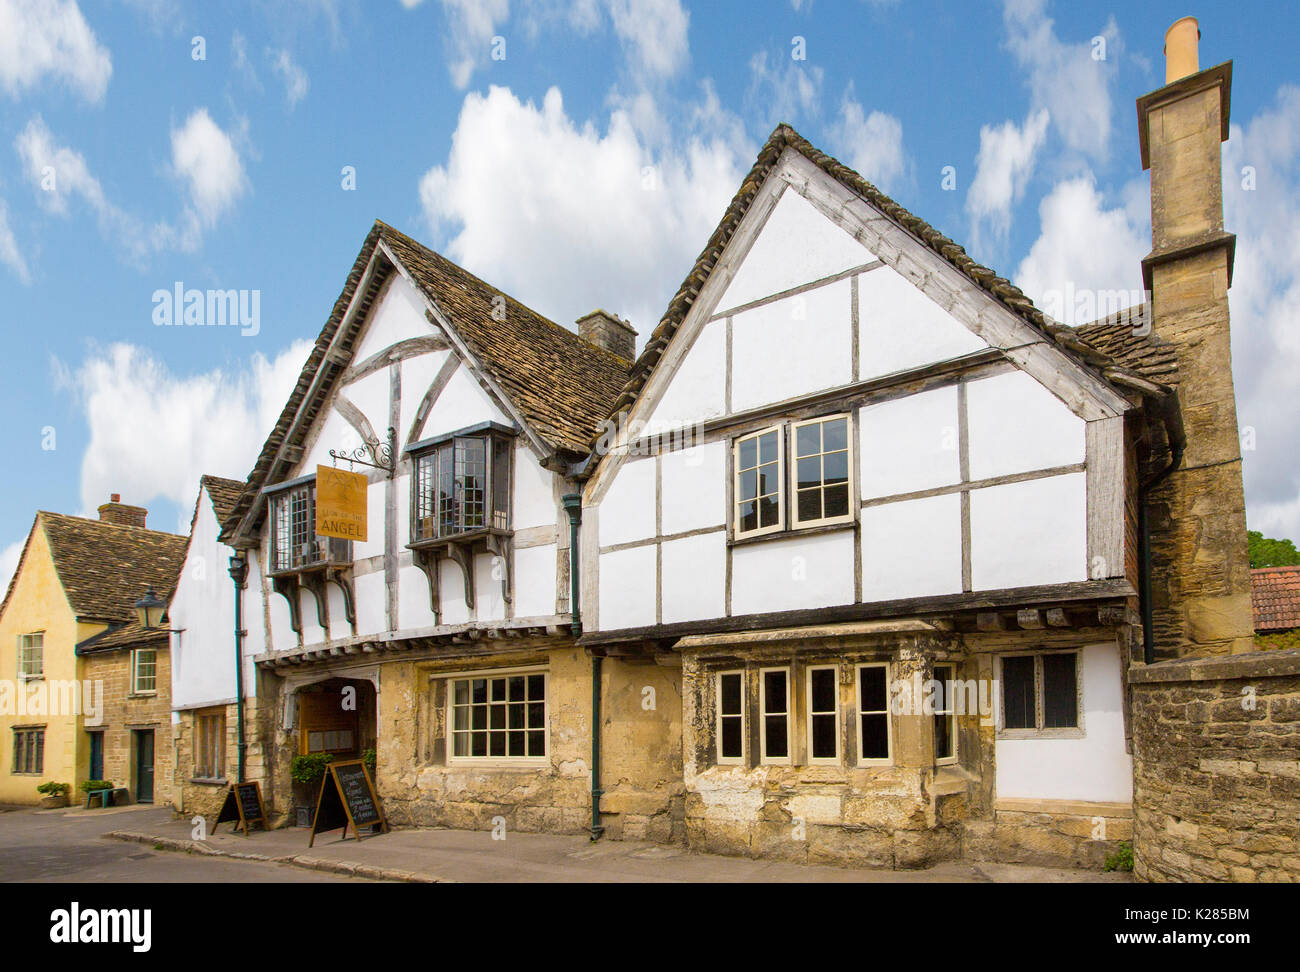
(1071,732)
(448,761)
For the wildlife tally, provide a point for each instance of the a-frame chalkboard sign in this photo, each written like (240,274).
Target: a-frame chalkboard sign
(243,805)
(347,798)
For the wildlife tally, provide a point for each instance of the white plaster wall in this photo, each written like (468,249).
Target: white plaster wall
(899,327)
(534,496)
(413,608)
(694,483)
(627,588)
(909,444)
(399,316)
(912,548)
(1095,767)
(792,347)
(535,575)
(338,618)
(452,590)
(417,375)
(784,575)
(461,404)
(254,623)
(335,433)
(371,599)
(697,390)
(628,510)
(312,632)
(489,579)
(694,575)
(1027,534)
(373,545)
(797,245)
(1017,425)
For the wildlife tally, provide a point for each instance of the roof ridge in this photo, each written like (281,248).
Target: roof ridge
(109,524)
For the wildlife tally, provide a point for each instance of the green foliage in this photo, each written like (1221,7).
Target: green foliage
(1121,860)
(368,757)
(1271,553)
(54,789)
(90,786)
(310,768)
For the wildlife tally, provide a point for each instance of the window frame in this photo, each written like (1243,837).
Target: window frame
(28,734)
(868,761)
(718,716)
(30,676)
(202,719)
(135,671)
(809,714)
(1076,731)
(780,526)
(763,758)
(451,678)
(850,515)
(499,446)
(949,712)
(327,551)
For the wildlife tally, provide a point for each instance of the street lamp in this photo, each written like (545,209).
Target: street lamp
(149,610)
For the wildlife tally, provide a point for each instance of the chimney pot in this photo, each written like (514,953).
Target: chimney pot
(609,331)
(1182,56)
(115,498)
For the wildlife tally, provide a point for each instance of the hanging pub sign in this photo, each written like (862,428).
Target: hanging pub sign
(243,806)
(347,798)
(340,503)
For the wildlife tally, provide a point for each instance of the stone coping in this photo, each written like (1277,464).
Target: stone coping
(1070,808)
(1254,664)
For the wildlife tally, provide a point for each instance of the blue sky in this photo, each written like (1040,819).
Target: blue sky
(584,165)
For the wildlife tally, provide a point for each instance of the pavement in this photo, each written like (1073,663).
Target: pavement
(436,855)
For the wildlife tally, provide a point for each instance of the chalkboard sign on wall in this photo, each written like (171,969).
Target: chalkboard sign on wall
(347,797)
(243,806)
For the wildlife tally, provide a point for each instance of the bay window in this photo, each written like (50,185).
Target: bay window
(461,486)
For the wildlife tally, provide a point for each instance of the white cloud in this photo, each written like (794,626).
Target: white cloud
(1065,78)
(1087,260)
(51,38)
(60,174)
(241,62)
(783,89)
(653,32)
(1264,299)
(214,422)
(294,77)
(871,144)
(204,157)
(1002,170)
(605,219)
(11,255)
(471,26)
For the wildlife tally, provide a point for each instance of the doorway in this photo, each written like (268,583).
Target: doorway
(144,766)
(96,755)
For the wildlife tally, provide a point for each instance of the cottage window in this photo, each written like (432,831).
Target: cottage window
(144,671)
(873,714)
(499,717)
(823,715)
(209,744)
(731,717)
(295,545)
(774,715)
(462,486)
(822,459)
(759,504)
(1040,691)
(31,655)
(29,751)
(945,716)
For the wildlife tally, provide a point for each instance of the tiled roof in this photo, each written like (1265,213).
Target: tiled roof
(106,567)
(1275,596)
(1126,338)
(132,634)
(224,494)
(562,385)
(784,137)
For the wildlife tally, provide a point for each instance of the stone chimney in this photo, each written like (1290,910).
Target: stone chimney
(1200,566)
(609,331)
(115,511)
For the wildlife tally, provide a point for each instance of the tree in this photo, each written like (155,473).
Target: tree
(1271,553)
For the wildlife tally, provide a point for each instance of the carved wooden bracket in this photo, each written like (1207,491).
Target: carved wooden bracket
(501,546)
(426,559)
(342,578)
(463,555)
(462,551)
(316,584)
(287,587)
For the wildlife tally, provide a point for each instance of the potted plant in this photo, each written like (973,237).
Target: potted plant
(368,757)
(55,795)
(306,771)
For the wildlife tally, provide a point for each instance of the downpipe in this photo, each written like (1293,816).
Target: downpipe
(1172,420)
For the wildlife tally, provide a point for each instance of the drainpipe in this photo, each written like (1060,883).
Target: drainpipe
(1172,420)
(239,574)
(573,506)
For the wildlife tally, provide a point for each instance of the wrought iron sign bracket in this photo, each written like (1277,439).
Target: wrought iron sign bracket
(376,455)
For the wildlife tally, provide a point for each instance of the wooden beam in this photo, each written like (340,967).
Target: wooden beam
(1056,618)
(989,621)
(1029,618)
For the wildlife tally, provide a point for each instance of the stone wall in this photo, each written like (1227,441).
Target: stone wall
(125,712)
(1216,746)
(204,797)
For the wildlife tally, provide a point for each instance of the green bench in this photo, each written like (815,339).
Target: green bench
(108,797)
